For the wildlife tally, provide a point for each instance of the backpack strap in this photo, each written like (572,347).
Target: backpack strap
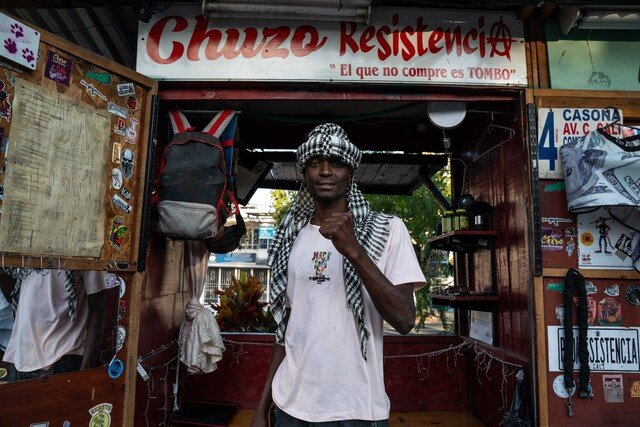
(219,124)
(179,122)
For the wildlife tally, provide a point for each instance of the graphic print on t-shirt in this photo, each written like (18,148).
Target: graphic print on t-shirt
(320,261)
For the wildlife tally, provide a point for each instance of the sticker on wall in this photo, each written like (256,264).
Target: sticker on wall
(590,288)
(121,204)
(558,387)
(131,135)
(20,43)
(592,309)
(132,103)
(586,239)
(40,424)
(125,89)
(560,313)
(635,389)
(121,335)
(125,193)
(613,388)
(632,295)
(117,235)
(116,178)
(99,76)
(120,128)
(115,369)
(571,246)
(117,110)
(94,93)
(111,280)
(58,68)
(128,163)
(552,239)
(122,289)
(612,290)
(100,415)
(623,245)
(5,102)
(610,312)
(116,152)
(121,309)
(556,287)
(66,423)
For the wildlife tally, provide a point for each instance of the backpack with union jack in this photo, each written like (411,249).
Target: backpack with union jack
(196,184)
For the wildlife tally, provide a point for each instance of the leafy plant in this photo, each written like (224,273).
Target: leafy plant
(240,309)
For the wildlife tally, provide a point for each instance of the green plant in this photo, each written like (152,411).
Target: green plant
(240,309)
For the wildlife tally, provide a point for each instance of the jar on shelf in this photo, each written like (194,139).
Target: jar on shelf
(447,221)
(462,219)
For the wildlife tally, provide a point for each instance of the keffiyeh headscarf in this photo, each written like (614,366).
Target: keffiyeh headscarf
(371,228)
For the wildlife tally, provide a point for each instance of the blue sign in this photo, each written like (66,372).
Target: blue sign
(236,257)
(266,232)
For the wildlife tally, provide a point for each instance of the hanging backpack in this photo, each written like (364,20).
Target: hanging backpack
(195,188)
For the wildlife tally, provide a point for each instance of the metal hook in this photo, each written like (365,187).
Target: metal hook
(22,261)
(41,263)
(3,260)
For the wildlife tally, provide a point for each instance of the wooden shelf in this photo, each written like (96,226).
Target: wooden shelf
(463,240)
(469,302)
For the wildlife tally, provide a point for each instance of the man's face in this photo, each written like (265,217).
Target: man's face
(327,178)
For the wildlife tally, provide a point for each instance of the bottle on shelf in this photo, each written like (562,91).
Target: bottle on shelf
(447,221)
(462,219)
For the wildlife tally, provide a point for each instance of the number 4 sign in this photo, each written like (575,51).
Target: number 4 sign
(558,126)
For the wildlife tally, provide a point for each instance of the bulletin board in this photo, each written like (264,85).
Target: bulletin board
(566,240)
(73,153)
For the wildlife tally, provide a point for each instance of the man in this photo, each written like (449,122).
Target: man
(59,319)
(338,270)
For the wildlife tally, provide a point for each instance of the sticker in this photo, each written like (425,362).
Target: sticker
(586,239)
(92,91)
(624,246)
(116,178)
(117,110)
(558,387)
(612,291)
(117,235)
(66,424)
(40,424)
(21,43)
(128,162)
(610,312)
(120,337)
(571,246)
(121,203)
(613,388)
(560,313)
(3,373)
(122,289)
(58,68)
(121,309)
(125,89)
(635,389)
(132,131)
(556,186)
(125,193)
(120,128)
(552,239)
(632,295)
(556,287)
(592,309)
(111,280)
(115,369)
(100,415)
(99,76)
(5,103)
(590,288)
(132,103)
(116,152)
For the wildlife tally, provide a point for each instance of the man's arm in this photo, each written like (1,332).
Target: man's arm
(394,302)
(95,329)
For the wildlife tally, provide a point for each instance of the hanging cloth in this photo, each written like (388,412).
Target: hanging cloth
(574,279)
(200,340)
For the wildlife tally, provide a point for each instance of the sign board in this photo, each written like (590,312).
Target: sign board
(232,257)
(558,126)
(266,232)
(610,349)
(412,46)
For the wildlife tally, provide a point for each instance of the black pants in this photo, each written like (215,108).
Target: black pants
(67,363)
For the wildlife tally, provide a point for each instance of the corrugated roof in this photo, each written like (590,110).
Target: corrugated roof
(108,31)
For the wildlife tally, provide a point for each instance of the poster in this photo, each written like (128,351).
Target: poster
(481,326)
(604,241)
(558,126)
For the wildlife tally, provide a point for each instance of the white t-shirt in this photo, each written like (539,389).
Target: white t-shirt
(43,332)
(323,376)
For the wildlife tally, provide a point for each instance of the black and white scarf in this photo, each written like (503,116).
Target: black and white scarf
(371,229)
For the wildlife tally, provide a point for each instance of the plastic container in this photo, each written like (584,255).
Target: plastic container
(447,221)
(462,219)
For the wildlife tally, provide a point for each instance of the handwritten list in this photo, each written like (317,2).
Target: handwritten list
(56,175)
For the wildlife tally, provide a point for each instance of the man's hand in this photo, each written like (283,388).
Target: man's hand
(339,228)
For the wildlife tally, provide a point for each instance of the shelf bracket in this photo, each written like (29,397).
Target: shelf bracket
(435,192)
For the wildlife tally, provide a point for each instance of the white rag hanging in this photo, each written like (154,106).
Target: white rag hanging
(200,340)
